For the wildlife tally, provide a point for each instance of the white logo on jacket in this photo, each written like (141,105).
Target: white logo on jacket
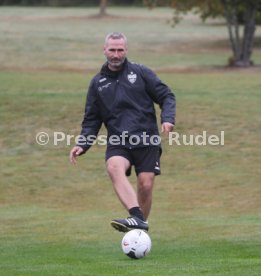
(132,77)
(104,86)
(102,80)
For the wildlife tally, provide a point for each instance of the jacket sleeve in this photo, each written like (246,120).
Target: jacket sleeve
(160,94)
(92,121)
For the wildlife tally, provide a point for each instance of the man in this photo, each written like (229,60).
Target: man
(122,96)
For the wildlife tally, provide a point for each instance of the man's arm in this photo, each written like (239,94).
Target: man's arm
(92,121)
(91,124)
(162,95)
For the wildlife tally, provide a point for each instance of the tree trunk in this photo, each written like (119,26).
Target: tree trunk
(233,28)
(103,7)
(242,49)
(249,30)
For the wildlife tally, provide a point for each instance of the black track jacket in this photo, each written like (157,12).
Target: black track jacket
(124,101)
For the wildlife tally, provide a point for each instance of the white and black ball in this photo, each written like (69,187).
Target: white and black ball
(136,244)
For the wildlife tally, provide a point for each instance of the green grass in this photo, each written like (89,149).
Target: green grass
(206,215)
(104,259)
(68,243)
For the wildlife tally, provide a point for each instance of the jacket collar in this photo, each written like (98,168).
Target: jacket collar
(107,72)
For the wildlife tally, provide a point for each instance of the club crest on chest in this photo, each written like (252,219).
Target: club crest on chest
(132,77)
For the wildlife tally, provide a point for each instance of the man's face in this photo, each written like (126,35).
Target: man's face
(115,51)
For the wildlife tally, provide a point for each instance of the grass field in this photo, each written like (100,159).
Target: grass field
(54,217)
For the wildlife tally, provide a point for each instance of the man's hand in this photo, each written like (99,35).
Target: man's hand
(75,151)
(166,128)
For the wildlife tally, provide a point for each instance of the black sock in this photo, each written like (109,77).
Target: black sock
(137,212)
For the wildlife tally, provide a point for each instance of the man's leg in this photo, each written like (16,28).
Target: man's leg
(145,187)
(117,167)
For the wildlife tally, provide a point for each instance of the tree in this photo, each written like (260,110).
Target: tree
(103,7)
(232,11)
(241,47)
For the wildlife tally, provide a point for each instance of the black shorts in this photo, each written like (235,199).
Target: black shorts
(144,159)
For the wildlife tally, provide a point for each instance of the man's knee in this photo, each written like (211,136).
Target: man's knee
(146,181)
(116,165)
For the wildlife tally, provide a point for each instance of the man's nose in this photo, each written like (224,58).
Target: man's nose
(116,53)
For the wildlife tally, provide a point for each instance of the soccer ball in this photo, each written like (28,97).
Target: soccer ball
(136,244)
